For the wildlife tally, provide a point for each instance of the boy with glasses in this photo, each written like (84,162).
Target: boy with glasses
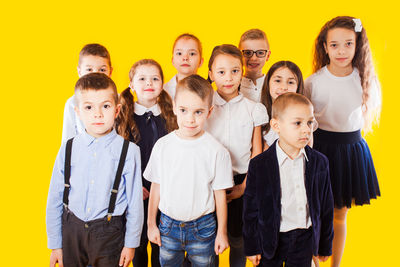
(255,49)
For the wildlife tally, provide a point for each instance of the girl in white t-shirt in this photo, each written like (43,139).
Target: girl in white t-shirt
(236,123)
(187,58)
(346,97)
(283,77)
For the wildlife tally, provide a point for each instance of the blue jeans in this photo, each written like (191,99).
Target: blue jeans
(196,237)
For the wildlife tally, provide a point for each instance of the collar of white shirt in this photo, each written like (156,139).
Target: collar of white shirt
(218,100)
(282,156)
(248,81)
(140,109)
(104,140)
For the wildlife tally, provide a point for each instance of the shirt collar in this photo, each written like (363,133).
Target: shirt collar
(218,100)
(250,81)
(140,109)
(282,156)
(104,140)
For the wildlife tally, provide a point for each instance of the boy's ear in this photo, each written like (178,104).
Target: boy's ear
(174,106)
(210,111)
(111,70)
(117,110)
(77,111)
(274,123)
(268,54)
(79,71)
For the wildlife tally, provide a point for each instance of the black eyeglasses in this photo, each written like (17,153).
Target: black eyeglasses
(250,53)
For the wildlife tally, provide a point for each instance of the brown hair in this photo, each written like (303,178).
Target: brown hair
(266,98)
(253,34)
(95,50)
(189,36)
(284,101)
(126,125)
(96,81)
(225,49)
(362,60)
(198,85)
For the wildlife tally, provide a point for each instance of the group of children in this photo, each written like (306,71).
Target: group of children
(195,170)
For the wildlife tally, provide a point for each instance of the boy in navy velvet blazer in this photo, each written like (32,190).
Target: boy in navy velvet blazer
(288,203)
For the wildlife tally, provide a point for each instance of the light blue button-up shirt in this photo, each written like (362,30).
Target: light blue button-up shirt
(94,164)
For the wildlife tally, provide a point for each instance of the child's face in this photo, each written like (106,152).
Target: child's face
(254,64)
(186,58)
(191,113)
(91,64)
(294,126)
(147,84)
(226,72)
(281,82)
(97,110)
(340,47)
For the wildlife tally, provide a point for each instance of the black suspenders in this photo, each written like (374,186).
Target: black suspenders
(114,190)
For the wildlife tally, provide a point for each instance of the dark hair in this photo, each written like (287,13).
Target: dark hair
(225,49)
(253,34)
(126,125)
(189,36)
(198,85)
(284,101)
(266,98)
(96,81)
(362,60)
(95,50)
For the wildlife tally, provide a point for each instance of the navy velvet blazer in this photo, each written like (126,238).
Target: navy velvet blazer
(262,203)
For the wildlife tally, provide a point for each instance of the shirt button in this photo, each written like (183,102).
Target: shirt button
(94,154)
(86,225)
(300,209)
(88,210)
(92,181)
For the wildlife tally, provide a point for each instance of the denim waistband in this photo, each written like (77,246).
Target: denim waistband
(192,223)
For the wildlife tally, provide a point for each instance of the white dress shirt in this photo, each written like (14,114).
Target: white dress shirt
(250,90)
(232,124)
(294,206)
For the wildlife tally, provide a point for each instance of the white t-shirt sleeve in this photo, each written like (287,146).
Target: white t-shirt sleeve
(307,88)
(152,171)
(223,171)
(259,115)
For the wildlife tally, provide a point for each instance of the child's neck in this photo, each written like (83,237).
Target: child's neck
(228,97)
(180,76)
(253,76)
(340,71)
(291,151)
(147,103)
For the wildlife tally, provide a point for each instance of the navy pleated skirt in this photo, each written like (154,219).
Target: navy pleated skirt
(352,170)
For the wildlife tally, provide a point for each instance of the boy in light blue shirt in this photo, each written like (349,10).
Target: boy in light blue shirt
(95,208)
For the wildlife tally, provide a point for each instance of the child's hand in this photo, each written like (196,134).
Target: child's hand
(146,193)
(237,191)
(323,258)
(221,243)
(126,256)
(255,259)
(154,235)
(56,256)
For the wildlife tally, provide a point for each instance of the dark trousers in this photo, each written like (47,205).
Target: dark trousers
(141,258)
(97,243)
(294,248)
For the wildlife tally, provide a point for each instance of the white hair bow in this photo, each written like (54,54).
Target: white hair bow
(358,25)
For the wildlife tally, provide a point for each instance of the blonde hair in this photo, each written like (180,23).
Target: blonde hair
(253,34)
(284,101)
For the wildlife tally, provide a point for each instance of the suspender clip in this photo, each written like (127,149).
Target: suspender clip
(67,185)
(114,191)
(109,217)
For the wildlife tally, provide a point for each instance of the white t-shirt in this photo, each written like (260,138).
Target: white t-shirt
(72,125)
(188,171)
(170,87)
(294,206)
(250,90)
(337,100)
(232,124)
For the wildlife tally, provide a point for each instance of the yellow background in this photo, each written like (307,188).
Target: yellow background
(40,42)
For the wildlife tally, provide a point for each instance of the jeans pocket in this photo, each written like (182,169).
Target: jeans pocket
(165,225)
(206,230)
